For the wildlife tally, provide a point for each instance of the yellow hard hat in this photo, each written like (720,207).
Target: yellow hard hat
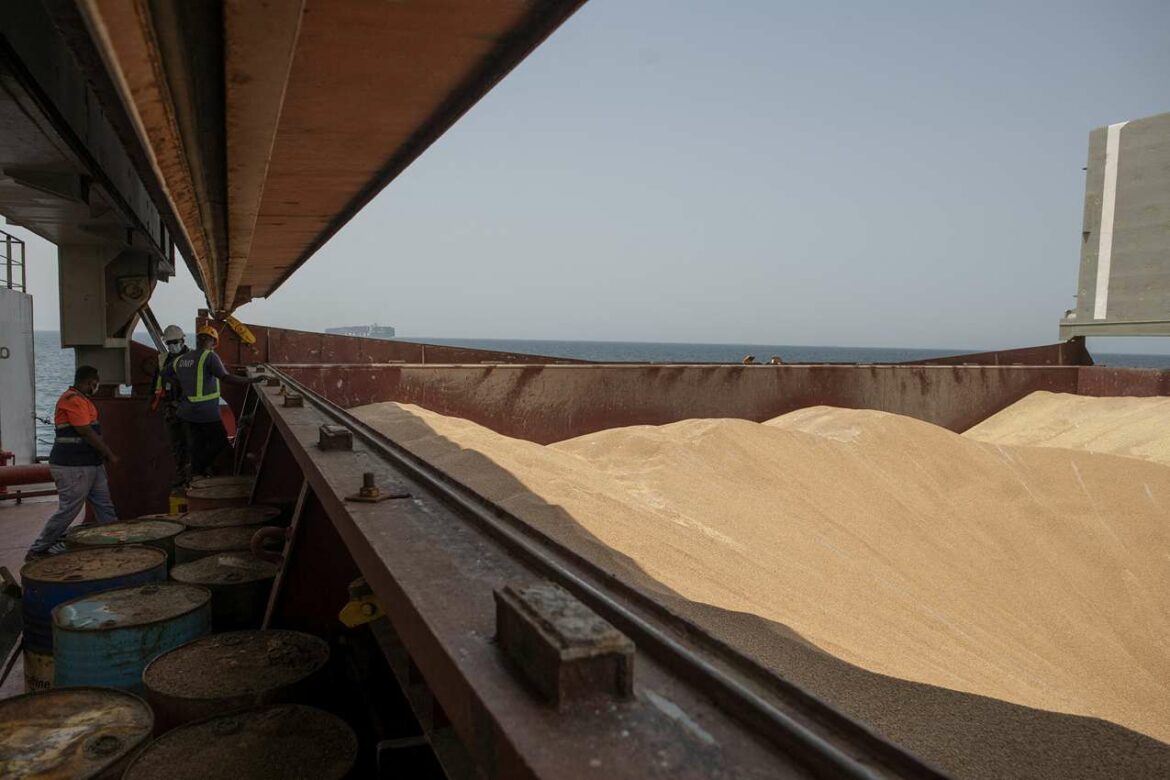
(207,330)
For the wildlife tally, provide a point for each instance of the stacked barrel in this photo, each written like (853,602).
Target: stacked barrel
(116,651)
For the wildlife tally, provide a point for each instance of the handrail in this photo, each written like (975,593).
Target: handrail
(10,244)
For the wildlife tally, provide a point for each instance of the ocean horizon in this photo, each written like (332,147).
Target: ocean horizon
(54,365)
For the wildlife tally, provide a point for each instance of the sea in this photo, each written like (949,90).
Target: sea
(54,365)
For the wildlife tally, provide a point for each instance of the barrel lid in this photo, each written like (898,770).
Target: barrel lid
(99,563)
(70,733)
(174,517)
(286,740)
(129,607)
(235,537)
(129,532)
(255,514)
(236,663)
(229,568)
(233,491)
(230,479)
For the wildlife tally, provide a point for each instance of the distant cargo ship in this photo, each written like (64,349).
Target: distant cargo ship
(368,331)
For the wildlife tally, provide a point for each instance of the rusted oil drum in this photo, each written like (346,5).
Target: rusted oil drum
(218,496)
(228,479)
(236,670)
(72,733)
(198,543)
(152,533)
(239,583)
(278,741)
(51,581)
(256,514)
(108,638)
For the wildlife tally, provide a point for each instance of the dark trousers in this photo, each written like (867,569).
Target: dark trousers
(177,438)
(204,443)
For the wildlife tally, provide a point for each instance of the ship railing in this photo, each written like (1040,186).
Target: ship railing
(13,258)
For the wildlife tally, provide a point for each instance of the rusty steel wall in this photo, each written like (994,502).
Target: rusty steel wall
(1103,381)
(1067,353)
(140,482)
(551,403)
(278,345)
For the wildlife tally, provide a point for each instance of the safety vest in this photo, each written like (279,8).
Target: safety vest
(69,449)
(204,393)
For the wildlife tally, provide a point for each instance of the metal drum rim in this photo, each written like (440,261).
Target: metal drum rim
(205,604)
(89,549)
(76,533)
(131,750)
(218,529)
(206,637)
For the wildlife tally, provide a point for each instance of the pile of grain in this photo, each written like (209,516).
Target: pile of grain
(1133,427)
(952,593)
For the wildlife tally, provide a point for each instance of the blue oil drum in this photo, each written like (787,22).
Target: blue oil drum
(108,638)
(59,578)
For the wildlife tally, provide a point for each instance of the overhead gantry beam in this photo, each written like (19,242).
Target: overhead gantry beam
(271,123)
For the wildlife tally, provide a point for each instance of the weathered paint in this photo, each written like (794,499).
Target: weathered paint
(1103,381)
(141,483)
(52,581)
(159,534)
(219,496)
(71,733)
(551,403)
(108,638)
(38,671)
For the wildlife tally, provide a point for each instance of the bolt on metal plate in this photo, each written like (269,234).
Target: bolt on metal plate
(334,437)
(371,493)
(294,400)
(562,647)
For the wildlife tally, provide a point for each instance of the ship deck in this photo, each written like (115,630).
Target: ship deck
(21,523)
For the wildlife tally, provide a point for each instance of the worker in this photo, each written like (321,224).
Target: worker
(199,372)
(77,463)
(167,395)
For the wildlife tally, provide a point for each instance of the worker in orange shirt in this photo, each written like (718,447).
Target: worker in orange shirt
(77,463)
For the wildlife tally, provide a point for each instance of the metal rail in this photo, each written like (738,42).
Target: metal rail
(13,263)
(826,740)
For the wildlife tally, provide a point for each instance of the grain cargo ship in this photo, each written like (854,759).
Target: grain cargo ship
(429,561)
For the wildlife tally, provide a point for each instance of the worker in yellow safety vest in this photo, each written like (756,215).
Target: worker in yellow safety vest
(199,373)
(167,395)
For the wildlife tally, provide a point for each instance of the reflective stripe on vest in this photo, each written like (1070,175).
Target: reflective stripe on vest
(200,396)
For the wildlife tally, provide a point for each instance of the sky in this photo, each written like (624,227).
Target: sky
(901,174)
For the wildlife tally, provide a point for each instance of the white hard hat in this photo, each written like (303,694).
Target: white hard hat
(173,333)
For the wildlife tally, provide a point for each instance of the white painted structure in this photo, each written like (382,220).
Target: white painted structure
(17,377)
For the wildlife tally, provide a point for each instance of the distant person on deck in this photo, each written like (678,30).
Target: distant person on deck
(167,395)
(77,463)
(199,373)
